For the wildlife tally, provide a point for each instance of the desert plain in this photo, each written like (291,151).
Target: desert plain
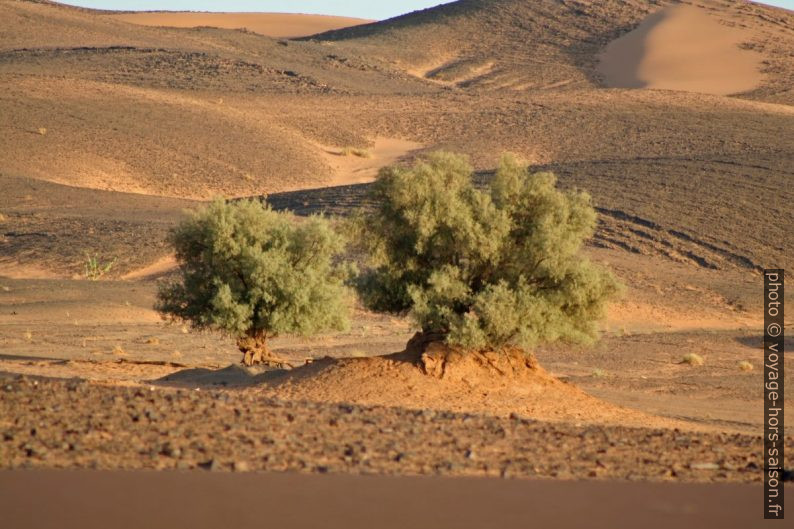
(677,117)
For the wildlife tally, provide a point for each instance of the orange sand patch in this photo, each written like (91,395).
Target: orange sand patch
(16,270)
(160,267)
(351,168)
(682,48)
(278,25)
(635,317)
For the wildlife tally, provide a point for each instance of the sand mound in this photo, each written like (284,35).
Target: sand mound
(493,383)
(279,25)
(682,48)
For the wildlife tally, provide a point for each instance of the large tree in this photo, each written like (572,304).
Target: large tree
(482,268)
(255,273)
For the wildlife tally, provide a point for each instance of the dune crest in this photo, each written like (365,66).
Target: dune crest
(277,25)
(682,48)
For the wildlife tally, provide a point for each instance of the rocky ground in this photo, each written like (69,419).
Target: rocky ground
(70,424)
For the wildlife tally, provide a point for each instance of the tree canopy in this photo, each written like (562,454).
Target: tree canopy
(482,267)
(255,273)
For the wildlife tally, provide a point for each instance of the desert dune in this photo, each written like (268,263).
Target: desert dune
(278,25)
(682,48)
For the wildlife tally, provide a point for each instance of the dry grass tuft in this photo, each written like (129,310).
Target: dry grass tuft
(42,131)
(745,366)
(355,151)
(693,359)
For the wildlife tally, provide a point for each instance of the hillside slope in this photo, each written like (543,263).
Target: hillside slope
(518,45)
(94,102)
(102,105)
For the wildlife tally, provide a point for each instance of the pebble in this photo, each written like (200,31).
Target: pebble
(201,430)
(704,466)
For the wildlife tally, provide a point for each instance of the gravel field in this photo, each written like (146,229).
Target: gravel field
(69,424)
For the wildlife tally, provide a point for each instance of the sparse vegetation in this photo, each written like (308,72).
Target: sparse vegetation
(355,151)
(42,131)
(93,269)
(253,273)
(693,359)
(745,366)
(482,268)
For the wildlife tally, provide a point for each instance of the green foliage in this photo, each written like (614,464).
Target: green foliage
(484,268)
(93,270)
(255,273)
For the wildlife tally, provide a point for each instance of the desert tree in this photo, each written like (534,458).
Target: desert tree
(255,273)
(481,268)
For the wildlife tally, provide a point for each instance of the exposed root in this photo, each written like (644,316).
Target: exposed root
(255,351)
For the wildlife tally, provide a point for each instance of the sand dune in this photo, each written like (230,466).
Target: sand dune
(278,25)
(682,48)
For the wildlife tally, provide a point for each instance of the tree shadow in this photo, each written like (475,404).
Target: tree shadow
(233,376)
(757,341)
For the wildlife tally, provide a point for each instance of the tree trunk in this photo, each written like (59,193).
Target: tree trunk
(255,350)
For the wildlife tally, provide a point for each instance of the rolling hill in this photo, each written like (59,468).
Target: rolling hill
(168,114)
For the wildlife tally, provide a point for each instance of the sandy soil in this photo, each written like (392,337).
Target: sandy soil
(353,165)
(88,499)
(279,25)
(683,48)
(107,332)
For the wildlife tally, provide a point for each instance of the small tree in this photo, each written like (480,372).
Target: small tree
(482,268)
(254,274)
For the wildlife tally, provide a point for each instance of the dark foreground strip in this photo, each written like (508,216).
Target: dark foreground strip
(98,500)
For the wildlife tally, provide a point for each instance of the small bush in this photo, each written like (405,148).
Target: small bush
(482,268)
(42,131)
(745,366)
(252,273)
(93,270)
(693,359)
